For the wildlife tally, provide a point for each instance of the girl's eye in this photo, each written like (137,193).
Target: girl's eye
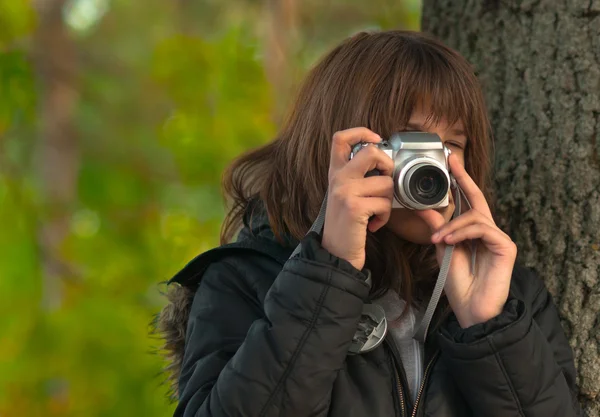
(454,144)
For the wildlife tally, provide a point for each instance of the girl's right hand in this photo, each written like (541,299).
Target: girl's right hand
(353,199)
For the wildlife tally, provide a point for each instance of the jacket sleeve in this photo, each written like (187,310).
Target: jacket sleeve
(519,363)
(279,359)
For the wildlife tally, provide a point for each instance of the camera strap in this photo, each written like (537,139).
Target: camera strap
(372,326)
(421,331)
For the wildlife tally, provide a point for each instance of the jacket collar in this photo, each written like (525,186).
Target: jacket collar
(256,225)
(256,237)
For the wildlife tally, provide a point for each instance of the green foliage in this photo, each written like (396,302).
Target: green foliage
(167,97)
(16,20)
(16,85)
(212,84)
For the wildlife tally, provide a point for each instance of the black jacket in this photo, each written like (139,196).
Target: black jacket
(267,336)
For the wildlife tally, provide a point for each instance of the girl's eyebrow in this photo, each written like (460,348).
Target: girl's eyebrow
(458,132)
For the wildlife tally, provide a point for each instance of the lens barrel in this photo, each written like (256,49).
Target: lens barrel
(427,184)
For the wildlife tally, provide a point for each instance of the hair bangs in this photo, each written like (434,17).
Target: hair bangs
(433,79)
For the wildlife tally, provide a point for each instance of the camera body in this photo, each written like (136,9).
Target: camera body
(421,173)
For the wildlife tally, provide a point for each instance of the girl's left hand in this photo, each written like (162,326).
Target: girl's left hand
(479,297)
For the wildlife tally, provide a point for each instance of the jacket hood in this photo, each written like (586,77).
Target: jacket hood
(256,225)
(170,325)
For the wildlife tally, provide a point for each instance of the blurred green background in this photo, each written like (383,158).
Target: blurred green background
(116,121)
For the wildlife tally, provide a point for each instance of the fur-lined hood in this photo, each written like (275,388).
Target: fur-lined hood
(170,324)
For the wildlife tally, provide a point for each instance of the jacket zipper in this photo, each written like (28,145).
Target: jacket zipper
(399,384)
(400,394)
(422,387)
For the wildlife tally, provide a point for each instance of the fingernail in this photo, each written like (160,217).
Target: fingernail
(436,235)
(449,237)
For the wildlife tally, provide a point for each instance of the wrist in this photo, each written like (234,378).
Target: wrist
(314,247)
(468,319)
(356,263)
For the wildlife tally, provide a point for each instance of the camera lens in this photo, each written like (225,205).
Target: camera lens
(428,185)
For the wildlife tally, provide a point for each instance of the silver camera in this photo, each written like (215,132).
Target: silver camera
(421,172)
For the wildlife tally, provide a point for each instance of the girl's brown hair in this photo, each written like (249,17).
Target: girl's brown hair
(373,80)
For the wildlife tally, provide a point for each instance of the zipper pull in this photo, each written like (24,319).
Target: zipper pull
(371,330)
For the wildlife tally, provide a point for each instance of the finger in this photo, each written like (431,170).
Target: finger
(367,159)
(380,210)
(491,237)
(466,183)
(377,186)
(343,141)
(432,218)
(470,217)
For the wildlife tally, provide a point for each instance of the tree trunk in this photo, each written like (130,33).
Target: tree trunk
(539,63)
(57,147)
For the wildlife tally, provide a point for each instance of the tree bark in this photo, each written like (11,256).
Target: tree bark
(539,63)
(58,154)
